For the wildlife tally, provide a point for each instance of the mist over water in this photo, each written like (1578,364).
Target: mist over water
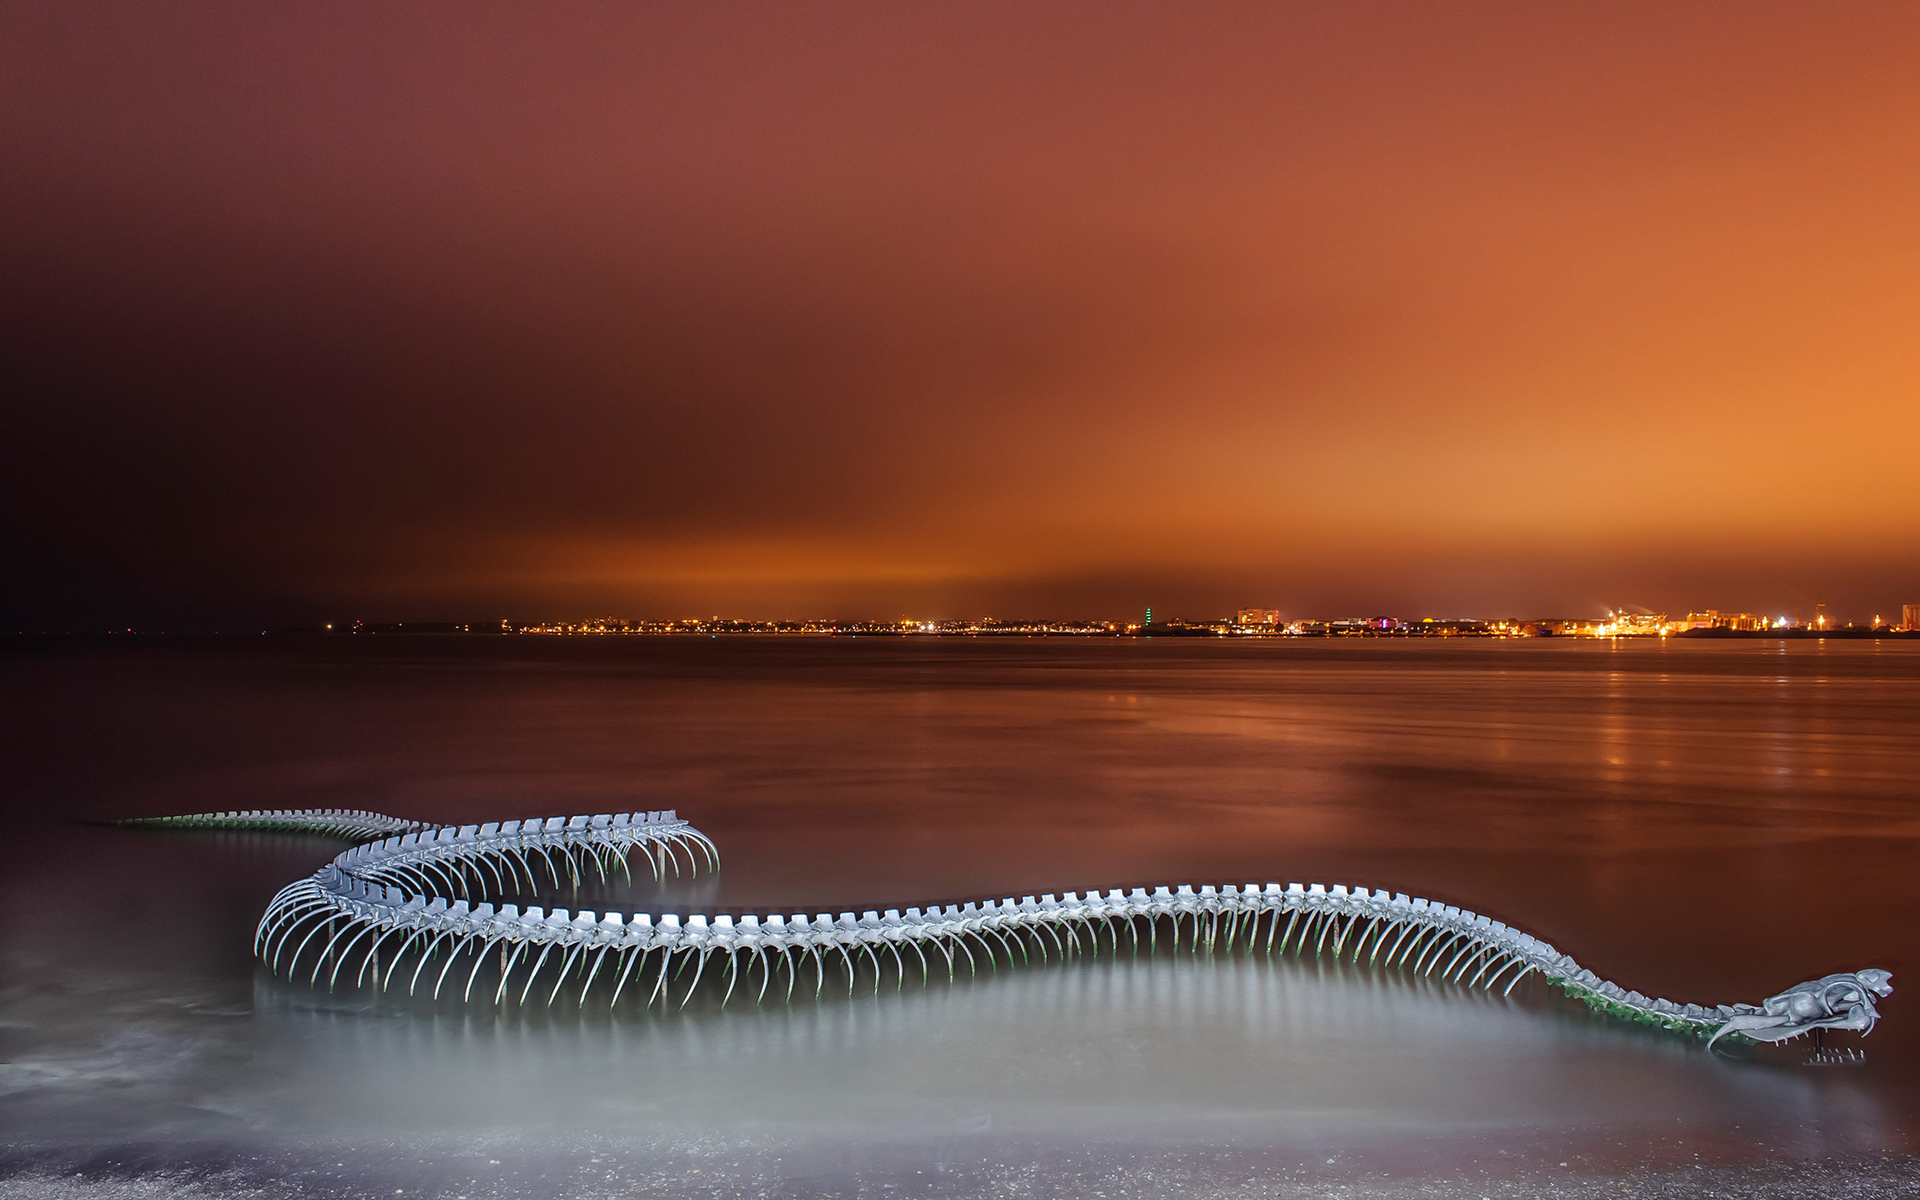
(1709,822)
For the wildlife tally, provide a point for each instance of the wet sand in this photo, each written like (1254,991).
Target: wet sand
(590,1167)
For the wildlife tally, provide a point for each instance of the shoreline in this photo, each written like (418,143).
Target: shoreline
(964,1163)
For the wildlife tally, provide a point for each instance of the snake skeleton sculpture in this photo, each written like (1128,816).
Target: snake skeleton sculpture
(434,891)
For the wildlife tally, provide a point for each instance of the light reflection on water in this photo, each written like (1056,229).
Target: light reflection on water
(1220,1048)
(1123,1048)
(1675,817)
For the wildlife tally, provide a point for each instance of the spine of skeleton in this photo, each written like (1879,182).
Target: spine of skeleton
(437,893)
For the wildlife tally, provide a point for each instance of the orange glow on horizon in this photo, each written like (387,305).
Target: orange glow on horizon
(868,309)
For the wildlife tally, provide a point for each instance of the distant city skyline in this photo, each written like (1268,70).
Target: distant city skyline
(1243,622)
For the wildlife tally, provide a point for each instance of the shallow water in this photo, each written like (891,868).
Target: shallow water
(1709,822)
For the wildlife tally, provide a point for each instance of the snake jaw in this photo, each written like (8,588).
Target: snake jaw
(1843,1001)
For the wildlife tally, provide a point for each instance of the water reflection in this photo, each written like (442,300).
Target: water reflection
(1707,822)
(1222,1047)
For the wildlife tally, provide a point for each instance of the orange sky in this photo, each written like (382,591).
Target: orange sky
(860,309)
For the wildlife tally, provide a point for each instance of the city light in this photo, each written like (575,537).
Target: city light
(1245,623)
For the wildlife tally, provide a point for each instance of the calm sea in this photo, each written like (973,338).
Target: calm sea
(1703,821)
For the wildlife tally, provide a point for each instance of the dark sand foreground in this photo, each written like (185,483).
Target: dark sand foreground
(588,1167)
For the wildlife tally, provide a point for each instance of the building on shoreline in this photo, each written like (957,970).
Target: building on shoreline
(1713,618)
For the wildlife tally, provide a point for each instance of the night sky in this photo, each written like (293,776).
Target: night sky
(673,309)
